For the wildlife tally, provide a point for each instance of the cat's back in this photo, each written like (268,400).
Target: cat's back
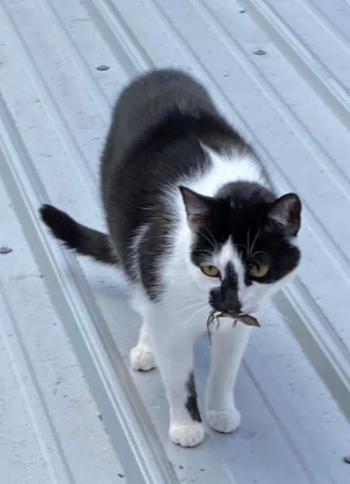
(157,124)
(146,101)
(150,97)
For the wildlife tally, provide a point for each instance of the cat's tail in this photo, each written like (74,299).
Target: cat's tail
(78,237)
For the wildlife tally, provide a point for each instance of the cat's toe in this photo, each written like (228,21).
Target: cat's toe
(142,358)
(187,435)
(225,420)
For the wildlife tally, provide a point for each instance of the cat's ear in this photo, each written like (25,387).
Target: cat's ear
(286,211)
(198,207)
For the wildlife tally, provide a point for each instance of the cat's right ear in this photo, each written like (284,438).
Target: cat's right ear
(198,207)
(286,212)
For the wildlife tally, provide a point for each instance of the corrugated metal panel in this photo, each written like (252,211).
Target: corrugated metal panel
(292,101)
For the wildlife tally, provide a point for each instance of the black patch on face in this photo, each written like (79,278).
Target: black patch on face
(225,297)
(242,212)
(191,403)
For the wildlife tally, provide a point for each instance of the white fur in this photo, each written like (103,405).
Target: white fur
(141,356)
(171,326)
(225,169)
(187,435)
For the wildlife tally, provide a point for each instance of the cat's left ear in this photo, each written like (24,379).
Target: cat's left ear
(198,207)
(286,210)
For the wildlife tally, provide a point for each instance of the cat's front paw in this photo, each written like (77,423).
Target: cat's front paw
(224,420)
(142,358)
(187,435)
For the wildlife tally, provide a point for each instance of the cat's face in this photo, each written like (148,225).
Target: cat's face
(243,244)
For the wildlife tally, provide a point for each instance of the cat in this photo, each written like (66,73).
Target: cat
(195,225)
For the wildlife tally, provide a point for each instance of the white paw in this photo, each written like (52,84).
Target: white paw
(225,420)
(187,435)
(142,358)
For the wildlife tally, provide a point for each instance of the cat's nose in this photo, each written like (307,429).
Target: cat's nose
(225,300)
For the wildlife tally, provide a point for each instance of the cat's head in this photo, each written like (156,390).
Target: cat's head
(243,244)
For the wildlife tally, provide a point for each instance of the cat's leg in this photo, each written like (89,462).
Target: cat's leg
(228,348)
(141,356)
(174,355)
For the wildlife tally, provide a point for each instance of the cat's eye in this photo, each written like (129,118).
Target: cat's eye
(258,270)
(210,271)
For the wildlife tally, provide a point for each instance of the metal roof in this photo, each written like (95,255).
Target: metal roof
(71,411)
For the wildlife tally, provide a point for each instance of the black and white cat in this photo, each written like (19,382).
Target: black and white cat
(194,224)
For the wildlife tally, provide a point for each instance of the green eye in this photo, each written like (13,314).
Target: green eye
(258,271)
(210,271)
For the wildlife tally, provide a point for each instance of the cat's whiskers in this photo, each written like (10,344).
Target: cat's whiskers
(248,241)
(191,302)
(209,238)
(250,247)
(243,246)
(202,251)
(195,299)
(255,240)
(252,256)
(196,314)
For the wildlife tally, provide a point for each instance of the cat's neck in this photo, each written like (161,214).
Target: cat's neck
(226,168)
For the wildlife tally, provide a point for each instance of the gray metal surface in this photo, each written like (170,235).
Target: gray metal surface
(279,70)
